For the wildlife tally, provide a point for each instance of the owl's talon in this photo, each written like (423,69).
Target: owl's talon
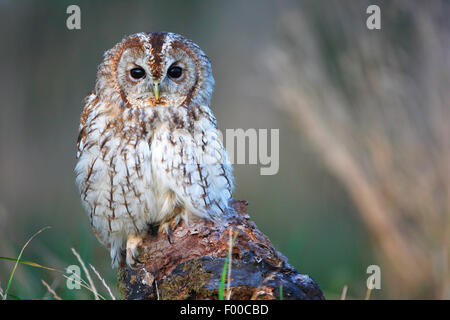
(129,259)
(166,229)
(133,243)
(177,221)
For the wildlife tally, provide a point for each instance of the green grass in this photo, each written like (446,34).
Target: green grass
(5,295)
(222,279)
(89,285)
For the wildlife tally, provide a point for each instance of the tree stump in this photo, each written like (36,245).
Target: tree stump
(191,266)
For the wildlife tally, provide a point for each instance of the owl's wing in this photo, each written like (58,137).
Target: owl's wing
(195,167)
(89,103)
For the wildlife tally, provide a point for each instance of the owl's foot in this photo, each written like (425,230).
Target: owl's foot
(166,228)
(133,243)
(169,226)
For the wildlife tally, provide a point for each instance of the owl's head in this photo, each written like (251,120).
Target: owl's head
(155,69)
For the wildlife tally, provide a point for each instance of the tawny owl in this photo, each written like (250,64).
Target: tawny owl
(149,151)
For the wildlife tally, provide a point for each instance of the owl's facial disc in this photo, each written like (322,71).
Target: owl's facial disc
(157,69)
(146,84)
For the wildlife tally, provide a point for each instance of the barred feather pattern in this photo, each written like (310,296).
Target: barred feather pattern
(148,162)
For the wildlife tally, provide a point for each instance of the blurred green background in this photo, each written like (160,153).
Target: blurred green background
(308,210)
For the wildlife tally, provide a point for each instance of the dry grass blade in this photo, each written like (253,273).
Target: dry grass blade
(157,290)
(53,293)
(83,284)
(81,281)
(344,292)
(369,289)
(30,263)
(5,295)
(102,281)
(88,275)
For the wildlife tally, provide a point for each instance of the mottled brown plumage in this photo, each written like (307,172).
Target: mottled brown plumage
(149,151)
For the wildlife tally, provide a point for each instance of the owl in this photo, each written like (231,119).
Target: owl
(149,151)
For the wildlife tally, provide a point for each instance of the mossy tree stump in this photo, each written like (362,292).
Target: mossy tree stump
(191,266)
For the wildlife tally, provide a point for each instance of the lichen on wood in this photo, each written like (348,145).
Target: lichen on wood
(190,267)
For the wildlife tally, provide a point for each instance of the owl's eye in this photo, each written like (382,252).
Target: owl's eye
(175,72)
(137,73)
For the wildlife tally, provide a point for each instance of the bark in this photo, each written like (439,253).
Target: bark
(191,266)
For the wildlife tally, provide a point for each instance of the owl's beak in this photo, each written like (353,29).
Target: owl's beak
(156,89)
